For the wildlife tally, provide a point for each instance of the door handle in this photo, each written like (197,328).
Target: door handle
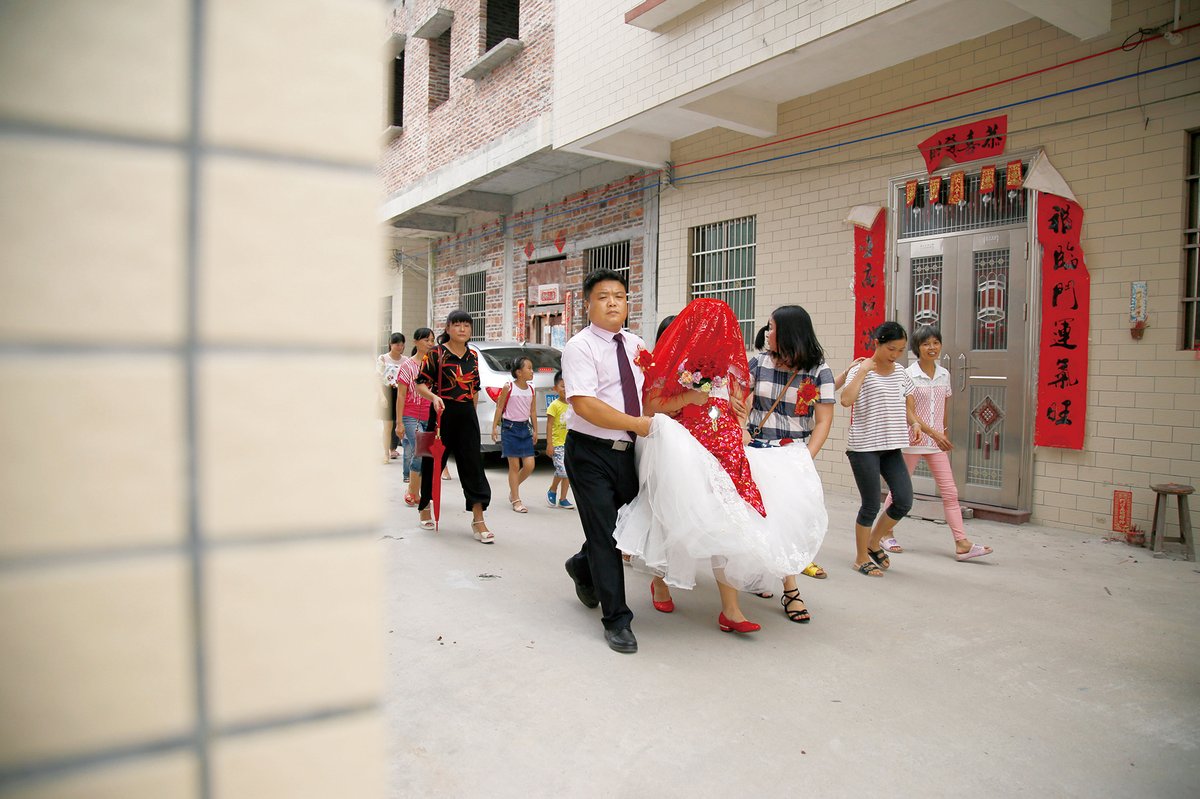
(963,368)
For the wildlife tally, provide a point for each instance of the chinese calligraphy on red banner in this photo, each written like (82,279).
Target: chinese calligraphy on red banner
(869,289)
(1063,355)
(983,138)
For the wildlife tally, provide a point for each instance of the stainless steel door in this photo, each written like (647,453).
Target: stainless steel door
(975,287)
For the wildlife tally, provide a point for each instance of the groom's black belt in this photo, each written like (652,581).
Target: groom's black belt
(607,443)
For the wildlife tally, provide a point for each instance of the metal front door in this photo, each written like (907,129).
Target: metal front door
(975,287)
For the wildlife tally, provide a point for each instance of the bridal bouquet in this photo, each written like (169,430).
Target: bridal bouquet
(699,375)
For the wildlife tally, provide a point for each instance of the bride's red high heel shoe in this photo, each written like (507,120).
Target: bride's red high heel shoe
(728,626)
(661,607)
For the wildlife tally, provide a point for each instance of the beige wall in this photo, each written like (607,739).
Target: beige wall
(606,70)
(189,600)
(1126,171)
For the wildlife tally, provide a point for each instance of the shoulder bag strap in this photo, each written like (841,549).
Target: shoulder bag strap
(778,399)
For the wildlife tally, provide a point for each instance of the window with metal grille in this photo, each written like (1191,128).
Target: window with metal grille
(385,325)
(396,109)
(472,298)
(608,256)
(1191,248)
(439,70)
(722,266)
(934,215)
(503,21)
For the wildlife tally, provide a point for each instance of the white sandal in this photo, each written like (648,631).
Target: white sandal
(485,536)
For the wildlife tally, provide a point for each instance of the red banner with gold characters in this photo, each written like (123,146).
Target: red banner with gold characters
(1063,349)
(910,193)
(983,138)
(958,188)
(869,288)
(935,191)
(987,181)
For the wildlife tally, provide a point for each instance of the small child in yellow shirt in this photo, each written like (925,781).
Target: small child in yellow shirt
(556,439)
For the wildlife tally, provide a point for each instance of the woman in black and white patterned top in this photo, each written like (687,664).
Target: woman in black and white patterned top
(879,394)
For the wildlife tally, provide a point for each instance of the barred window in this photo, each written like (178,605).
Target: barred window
(609,256)
(722,267)
(1191,248)
(472,298)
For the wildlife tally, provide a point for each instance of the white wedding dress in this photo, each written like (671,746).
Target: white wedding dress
(688,515)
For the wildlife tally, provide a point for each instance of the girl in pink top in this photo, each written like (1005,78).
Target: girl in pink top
(413,410)
(932,391)
(515,425)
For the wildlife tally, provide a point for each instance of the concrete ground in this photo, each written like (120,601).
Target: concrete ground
(1063,665)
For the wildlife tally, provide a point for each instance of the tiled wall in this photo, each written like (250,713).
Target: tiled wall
(189,600)
(1125,166)
(606,70)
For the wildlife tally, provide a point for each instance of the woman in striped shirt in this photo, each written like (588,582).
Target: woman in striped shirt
(932,391)
(880,396)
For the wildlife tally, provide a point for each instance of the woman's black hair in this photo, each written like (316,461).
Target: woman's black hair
(923,334)
(418,334)
(662,326)
(760,338)
(397,338)
(516,364)
(459,315)
(889,331)
(443,337)
(796,344)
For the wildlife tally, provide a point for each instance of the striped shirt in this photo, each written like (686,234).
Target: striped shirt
(930,394)
(415,405)
(878,420)
(794,416)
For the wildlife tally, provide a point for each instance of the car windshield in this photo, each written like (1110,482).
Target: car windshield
(501,358)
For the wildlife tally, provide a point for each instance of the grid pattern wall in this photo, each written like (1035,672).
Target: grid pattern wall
(189,601)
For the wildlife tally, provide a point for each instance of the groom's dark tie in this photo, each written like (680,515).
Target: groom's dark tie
(633,405)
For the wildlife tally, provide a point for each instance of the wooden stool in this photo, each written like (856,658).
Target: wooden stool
(1158,530)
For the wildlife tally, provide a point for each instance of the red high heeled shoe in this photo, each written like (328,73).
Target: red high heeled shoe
(728,626)
(661,607)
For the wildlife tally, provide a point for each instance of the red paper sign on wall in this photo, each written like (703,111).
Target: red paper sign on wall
(1063,348)
(983,138)
(869,288)
(521,320)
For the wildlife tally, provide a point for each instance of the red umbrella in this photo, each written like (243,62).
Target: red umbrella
(436,450)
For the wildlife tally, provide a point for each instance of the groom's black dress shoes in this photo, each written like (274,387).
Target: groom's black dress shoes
(586,593)
(621,640)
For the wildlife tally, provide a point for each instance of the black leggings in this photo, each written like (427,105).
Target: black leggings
(868,467)
(460,434)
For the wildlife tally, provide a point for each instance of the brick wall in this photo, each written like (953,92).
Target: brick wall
(1126,169)
(475,113)
(598,215)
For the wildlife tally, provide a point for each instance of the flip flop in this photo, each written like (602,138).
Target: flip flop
(813,570)
(976,551)
(881,558)
(891,545)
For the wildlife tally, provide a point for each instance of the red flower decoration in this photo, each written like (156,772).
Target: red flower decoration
(643,359)
(807,395)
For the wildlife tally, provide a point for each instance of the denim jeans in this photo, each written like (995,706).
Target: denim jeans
(868,467)
(411,462)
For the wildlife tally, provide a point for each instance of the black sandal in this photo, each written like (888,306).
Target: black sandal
(880,557)
(799,616)
(869,569)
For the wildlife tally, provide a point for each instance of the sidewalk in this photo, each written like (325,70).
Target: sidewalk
(1060,666)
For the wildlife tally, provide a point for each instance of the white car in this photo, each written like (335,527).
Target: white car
(495,360)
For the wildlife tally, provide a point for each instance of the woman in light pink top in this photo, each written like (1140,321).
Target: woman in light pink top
(932,392)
